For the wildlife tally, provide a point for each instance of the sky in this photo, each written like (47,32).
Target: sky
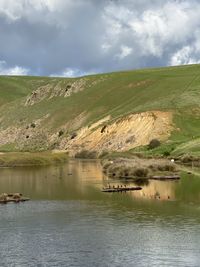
(72,38)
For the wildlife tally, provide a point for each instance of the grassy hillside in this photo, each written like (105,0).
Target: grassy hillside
(36,109)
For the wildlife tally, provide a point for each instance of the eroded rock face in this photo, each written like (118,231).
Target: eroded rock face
(38,95)
(49,91)
(106,134)
(61,88)
(124,133)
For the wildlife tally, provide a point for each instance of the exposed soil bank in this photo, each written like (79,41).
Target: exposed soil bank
(14,159)
(123,134)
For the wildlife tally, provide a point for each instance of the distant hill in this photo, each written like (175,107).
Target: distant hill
(114,111)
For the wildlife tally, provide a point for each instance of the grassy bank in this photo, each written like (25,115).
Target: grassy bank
(138,168)
(14,159)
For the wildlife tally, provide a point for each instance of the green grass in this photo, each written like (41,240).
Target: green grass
(175,89)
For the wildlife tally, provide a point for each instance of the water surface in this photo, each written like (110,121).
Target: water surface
(70,222)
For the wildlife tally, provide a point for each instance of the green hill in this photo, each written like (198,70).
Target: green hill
(115,111)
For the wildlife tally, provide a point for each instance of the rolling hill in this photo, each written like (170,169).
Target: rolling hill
(120,111)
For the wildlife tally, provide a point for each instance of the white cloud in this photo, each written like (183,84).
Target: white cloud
(124,51)
(16,70)
(99,35)
(184,56)
(53,12)
(105,47)
(155,30)
(71,73)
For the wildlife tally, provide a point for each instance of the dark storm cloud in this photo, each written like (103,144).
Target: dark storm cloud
(67,37)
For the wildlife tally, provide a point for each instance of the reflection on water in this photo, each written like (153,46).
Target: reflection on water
(67,181)
(70,222)
(82,179)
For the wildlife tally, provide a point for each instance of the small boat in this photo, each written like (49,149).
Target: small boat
(12,197)
(120,189)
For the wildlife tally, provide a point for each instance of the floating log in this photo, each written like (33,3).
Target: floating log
(16,198)
(120,189)
(169,177)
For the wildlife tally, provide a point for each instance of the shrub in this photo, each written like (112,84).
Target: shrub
(153,144)
(141,172)
(106,166)
(33,125)
(125,172)
(141,181)
(74,135)
(167,167)
(60,133)
(166,153)
(85,154)
(103,154)
(187,159)
(114,171)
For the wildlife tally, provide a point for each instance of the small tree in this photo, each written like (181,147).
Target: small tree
(33,125)
(60,133)
(154,143)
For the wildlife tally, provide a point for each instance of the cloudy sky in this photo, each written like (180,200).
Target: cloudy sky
(77,37)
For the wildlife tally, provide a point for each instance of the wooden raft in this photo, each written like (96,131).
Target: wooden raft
(15,197)
(120,189)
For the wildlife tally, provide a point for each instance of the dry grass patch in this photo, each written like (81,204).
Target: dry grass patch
(14,159)
(137,167)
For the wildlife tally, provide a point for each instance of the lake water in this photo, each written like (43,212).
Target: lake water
(70,222)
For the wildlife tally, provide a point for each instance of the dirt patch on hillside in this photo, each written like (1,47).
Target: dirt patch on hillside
(124,133)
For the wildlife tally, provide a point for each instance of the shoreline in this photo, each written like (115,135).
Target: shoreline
(25,159)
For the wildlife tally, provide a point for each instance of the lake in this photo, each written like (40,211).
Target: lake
(70,222)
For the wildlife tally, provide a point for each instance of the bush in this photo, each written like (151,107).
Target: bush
(187,159)
(125,172)
(141,181)
(103,154)
(141,172)
(166,153)
(153,144)
(106,166)
(85,154)
(114,171)
(60,133)
(74,135)
(167,167)
(33,125)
